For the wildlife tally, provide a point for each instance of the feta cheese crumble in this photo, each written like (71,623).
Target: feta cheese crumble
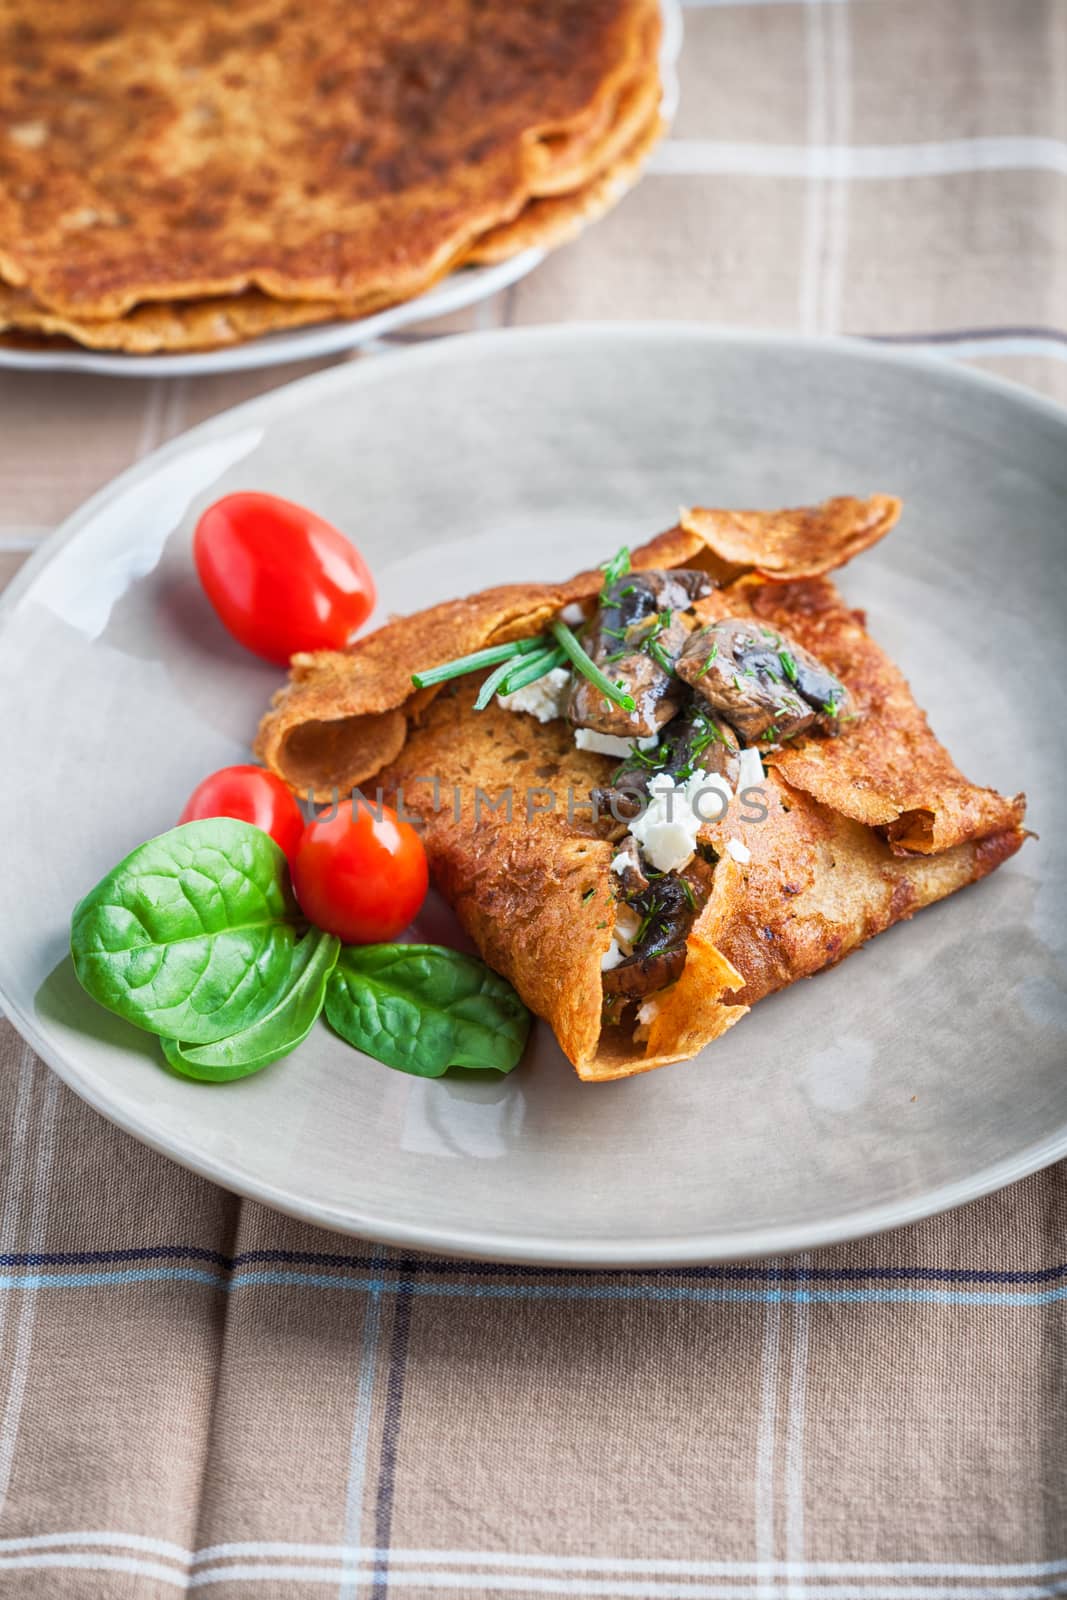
(609,744)
(647,1013)
(739,851)
(667,830)
(750,770)
(611,957)
(627,922)
(545,698)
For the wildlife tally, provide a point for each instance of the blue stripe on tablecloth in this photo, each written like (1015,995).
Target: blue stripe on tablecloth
(740,1271)
(698,1294)
(970,335)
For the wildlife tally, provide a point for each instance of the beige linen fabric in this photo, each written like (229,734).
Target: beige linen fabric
(198,1394)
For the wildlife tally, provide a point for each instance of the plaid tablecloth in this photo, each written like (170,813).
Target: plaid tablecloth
(196,1392)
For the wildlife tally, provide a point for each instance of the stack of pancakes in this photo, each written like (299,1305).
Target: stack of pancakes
(188,174)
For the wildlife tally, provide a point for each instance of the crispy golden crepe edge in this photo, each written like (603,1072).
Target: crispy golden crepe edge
(546,224)
(222,321)
(374,674)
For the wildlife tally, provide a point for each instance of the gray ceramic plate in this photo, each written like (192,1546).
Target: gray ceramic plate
(924,1070)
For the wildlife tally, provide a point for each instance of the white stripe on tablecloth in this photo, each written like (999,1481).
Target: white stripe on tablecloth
(18,1159)
(811,254)
(19,1156)
(843,1571)
(357,1452)
(766,1430)
(514,1582)
(40,1195)
(794,1443)
(839,73)
(709,5)
(711,157)
(175,405)
(151,431)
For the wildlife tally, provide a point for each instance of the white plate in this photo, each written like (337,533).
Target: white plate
(922,1071)
(461,289)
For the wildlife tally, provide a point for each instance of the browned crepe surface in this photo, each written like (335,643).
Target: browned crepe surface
(218,321)
(797,543)
(885,769)
(818,885)
(315,736)
(168,151)
(209,324)
(862,830)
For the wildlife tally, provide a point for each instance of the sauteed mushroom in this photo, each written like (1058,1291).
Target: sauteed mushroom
(666,907)
(760,681)
(639,975)
(636,635)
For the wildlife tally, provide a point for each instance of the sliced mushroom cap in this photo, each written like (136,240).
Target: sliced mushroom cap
(699,739)
(637,595)
(764,684)
(636,635)
(639,975)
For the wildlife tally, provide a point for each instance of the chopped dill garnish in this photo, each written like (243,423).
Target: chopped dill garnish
(831,707)
(659,655)
(489,657)
(712,653)
(646,922)
(689,895)
(583,663)
(617,567)
(789,666)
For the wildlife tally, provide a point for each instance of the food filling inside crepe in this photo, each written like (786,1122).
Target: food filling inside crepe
(687,708)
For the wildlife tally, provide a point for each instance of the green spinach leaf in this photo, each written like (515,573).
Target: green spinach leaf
(191,937)
(276,1034)
(422,1009)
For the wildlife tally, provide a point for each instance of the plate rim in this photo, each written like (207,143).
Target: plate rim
(576,1252)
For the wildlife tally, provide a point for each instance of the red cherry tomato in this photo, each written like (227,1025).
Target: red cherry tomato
(250,795)
(280,578)
(361,874)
